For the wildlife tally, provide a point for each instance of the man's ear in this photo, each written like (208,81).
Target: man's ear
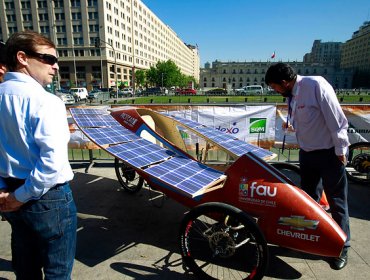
(22,58)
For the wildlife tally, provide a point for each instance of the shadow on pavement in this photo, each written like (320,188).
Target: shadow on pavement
(358,201)
(112,221)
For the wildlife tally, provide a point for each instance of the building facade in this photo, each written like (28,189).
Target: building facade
(100,42)
(356,55)
(324,53)
(232,75)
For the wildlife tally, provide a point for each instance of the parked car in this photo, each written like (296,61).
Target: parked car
(79,93)
(152,91)
(186,91)
(249,90)
(128,92)
(67,98)
(216,91)
(94,94)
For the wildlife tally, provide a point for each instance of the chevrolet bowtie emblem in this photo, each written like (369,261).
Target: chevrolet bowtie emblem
(298,222)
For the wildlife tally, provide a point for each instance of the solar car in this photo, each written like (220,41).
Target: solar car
(238,202)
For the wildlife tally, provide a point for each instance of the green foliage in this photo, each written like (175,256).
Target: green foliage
(167,74)
(140,77)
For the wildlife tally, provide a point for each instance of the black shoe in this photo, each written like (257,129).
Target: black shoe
(341,262)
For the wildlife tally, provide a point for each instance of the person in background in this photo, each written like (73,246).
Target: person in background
(35,195)
(321,130)
(2,61)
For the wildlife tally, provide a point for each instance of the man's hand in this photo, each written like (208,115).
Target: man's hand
(8,202)
(343,159)
(287,128)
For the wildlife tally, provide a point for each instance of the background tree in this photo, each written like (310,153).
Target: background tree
(167,74)
(140,77)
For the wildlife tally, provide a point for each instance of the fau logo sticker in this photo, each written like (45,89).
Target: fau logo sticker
(256,194)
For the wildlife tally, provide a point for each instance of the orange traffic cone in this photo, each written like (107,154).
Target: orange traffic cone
(324,202)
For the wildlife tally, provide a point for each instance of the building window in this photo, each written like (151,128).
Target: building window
(62,41)
(93,15)
(58,3)
(27,17)
(11,18)
(59,16)
(9,6)
(12,29)
(95,52)
(75,3)
(44,29)
(60,29)
(92,3)
(77,28)
(25,5)
(42,4)
(43,17)
(76,16)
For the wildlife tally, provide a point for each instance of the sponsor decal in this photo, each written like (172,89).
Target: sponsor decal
(128,119)
(257,125)
(230,130)
(353,129)
(298,222)
(298,235)
(256,194)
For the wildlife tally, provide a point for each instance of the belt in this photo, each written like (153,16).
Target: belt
(321,151)
(15,183)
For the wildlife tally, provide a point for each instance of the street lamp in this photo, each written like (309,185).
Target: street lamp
(97,44)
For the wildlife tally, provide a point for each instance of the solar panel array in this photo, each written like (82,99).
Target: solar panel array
(110,135)
(186,175)
(140,153)
(224,140)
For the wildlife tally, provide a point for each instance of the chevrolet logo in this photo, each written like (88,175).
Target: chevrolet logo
(298,222)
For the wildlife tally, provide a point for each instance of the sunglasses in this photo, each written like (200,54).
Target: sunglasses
(47,58)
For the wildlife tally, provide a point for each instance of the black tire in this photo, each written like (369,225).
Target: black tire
(290,170)
(358,166)
(128,177)
(219,241)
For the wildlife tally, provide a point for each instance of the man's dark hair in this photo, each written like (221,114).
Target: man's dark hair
(27,40)
(279,72)
(2,53)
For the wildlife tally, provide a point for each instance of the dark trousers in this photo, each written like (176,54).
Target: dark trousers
(325,165)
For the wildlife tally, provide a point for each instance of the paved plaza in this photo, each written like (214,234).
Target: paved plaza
(122,236)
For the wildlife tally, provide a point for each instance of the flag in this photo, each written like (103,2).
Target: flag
(273,55)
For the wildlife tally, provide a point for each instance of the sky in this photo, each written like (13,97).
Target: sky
(252,30)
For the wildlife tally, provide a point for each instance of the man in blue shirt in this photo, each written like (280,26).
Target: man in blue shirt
(321,130)
(35,196)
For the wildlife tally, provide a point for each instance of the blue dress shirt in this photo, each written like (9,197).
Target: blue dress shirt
(34,137)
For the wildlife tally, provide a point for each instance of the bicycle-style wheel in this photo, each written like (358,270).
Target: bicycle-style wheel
(290,170)
(219,241)
(128,177)
(358,166)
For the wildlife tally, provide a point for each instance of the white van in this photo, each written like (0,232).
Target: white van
(79,93)
(250,90)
